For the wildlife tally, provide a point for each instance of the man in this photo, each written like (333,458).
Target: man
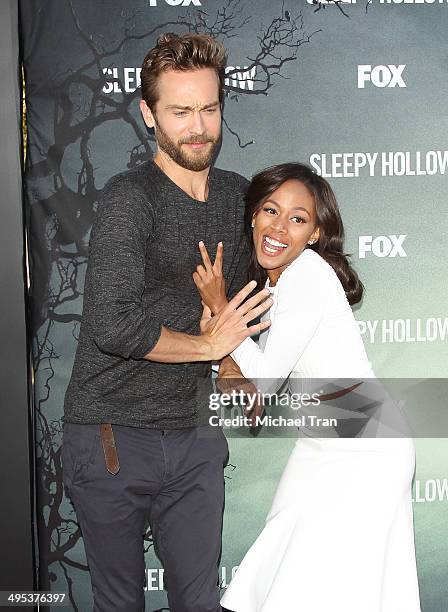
(144,352)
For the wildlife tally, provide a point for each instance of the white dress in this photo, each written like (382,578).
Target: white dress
(339,536)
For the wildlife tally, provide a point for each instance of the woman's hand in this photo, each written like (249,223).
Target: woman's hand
(229,375)
(223,332)
(210,281)
(230,378)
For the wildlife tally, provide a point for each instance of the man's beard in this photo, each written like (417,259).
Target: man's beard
(193,160)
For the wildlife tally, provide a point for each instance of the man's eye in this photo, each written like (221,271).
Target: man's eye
(210,110)
(180,113)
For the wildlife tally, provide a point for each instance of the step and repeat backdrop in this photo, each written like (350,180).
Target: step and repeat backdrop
(358,90)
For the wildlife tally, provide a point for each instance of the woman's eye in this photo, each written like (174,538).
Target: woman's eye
(299,220)
(269,210)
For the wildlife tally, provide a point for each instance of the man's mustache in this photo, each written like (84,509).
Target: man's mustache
(197,140)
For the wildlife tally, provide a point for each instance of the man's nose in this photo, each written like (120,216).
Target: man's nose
(197,124)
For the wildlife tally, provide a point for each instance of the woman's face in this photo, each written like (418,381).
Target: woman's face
(284,225)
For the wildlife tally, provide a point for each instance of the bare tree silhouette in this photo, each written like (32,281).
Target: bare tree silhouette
(319,5)
(60,222)
(323,5)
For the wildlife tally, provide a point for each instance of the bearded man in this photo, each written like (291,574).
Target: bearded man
(137,443)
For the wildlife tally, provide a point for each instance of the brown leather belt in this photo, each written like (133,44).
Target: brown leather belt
(337,394)
(109,448)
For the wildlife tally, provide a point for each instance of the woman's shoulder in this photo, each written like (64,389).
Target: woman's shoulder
(312,264)
(311,276)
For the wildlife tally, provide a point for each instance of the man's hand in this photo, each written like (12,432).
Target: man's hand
(209,279)
(226,330)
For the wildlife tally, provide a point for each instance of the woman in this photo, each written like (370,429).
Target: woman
(339,534)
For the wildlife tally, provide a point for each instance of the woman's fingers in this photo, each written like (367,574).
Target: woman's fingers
(202,272)
(205,256)
(217,266)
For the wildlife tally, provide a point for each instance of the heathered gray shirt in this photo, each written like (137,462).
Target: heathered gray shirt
(142,253)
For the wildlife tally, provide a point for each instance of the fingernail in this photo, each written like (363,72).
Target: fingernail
(201,242)
(219,243)
(253,283)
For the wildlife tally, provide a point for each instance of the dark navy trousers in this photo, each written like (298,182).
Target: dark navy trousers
(174,480)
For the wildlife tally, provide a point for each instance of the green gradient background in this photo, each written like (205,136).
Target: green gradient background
(317,109)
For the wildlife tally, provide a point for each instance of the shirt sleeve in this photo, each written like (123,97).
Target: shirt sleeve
(298,310)
(118,321)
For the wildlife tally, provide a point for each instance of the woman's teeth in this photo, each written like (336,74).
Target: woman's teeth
(278,246)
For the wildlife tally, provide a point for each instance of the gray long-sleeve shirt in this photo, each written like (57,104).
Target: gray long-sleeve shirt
(142,253)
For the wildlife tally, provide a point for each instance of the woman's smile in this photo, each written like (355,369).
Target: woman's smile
(272,247)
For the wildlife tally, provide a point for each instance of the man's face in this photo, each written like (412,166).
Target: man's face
(187,117)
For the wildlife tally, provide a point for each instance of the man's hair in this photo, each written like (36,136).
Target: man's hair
(185,52)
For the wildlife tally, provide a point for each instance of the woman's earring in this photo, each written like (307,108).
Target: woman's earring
(253,225)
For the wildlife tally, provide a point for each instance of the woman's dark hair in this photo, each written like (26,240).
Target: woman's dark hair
(331,230)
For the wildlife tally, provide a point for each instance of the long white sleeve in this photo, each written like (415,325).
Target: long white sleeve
(298,309)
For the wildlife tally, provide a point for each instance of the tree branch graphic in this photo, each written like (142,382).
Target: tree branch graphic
(319,5)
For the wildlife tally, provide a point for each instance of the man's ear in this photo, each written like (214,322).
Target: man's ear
(147,115)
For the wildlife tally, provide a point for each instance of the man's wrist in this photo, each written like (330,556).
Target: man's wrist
(205,348)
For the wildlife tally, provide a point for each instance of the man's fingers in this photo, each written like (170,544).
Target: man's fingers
(260,297)
(243,315)
(254,329)
(258,310)
(217,266)
(241,296)
(205,256)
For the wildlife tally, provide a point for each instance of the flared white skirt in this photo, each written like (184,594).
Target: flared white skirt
(339,536)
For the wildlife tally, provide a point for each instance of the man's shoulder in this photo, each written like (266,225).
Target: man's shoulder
(231,180)
(134,180)
(127,195)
